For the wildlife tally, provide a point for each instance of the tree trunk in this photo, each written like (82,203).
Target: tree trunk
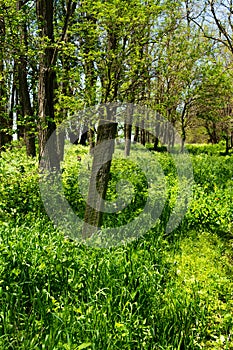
(47,84)
(136,135)
(24,95)
(128,130)
(183,127)
(107,130)
(214,133)
(91,139)
(143,135)
(156,137)
(227,143)
(26,108)
(6,120)
(99,177)
(128,134)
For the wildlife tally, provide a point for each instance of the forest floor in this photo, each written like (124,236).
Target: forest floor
(159,291)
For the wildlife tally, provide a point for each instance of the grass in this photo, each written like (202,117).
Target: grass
(204,272)
(161,291)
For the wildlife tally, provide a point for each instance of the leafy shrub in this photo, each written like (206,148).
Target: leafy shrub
(19,186)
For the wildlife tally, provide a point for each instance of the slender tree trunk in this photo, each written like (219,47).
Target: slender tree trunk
(128,129)
(183,128)
(24,95)
(20,129)
(156,137)
(136,134)
(156,143)
(6,120)
(13,98)
(128,135)
(27,112)
(143,135)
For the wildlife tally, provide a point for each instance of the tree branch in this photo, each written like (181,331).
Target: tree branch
(220,27)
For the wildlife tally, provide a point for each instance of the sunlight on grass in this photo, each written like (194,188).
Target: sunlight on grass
(204,271)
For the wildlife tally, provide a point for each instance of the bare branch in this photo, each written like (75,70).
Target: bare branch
(221,28)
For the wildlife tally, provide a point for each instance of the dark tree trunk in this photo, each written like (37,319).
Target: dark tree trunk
(26,109)
(183,127)
(212,132)
(136,135)
(128,129)
(13,98)
(156,143)
(99,177)
(227,144)
(128,135)
(24,95)
(20,128)
(183,138)
(46,87)
(143,137)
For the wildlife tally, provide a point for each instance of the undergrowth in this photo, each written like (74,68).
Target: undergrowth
(161,291)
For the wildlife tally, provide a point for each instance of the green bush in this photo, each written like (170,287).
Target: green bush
(19,186)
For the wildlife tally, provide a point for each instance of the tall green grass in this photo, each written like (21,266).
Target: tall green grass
(161,291)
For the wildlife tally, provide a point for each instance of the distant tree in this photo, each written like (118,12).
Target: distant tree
(21,61)
(214,102)
(6,118)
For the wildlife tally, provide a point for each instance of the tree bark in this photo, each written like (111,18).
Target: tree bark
(128,130)
(24,95)
(6,120)
(102,157)
(99,177)
(128,135)
(47,84)
(136,135)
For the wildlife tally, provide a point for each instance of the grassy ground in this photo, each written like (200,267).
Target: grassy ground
(161,291)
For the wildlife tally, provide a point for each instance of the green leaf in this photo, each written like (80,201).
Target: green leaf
(84,346)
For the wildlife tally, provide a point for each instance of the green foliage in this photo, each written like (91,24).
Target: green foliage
(122,173)
(211,208)
(203,276)
(72,180)
(19,185)
(200,149)
(158,292)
